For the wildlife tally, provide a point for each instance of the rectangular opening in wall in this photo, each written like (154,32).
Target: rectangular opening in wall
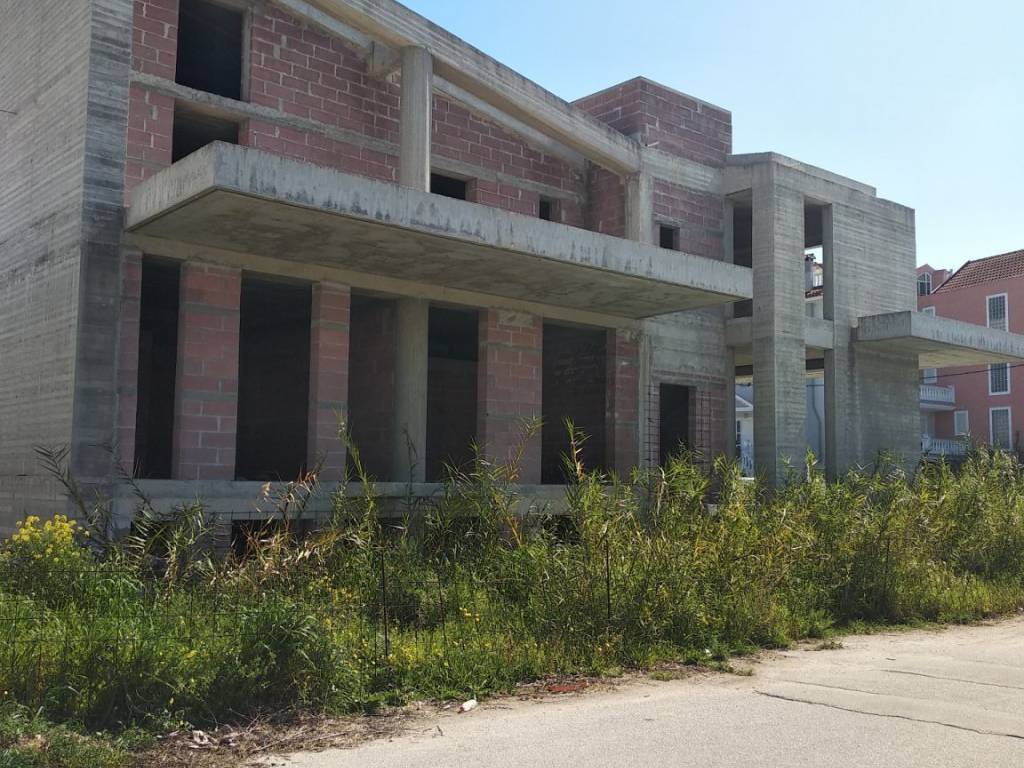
(674,421)
(273,379)
(451,390)
(573,386)
(448,186)
(371,384)
(743,250)
(158,361)
(668,237)
(546,208)
(194,129)
(210,48)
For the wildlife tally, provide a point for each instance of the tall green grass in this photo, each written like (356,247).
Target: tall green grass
(155,630)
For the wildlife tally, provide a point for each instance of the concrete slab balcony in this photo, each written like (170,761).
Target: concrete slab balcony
(938,342)
(240,199)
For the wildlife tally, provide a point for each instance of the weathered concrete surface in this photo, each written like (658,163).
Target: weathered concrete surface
(952,698)
(245,200)
(938,342)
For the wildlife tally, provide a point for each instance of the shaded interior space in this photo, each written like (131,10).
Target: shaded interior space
(248,536)
(675,420)
(194,129)
(451,390)
(816,404)
(158,361)
(743,249)
(668,237)
(573,387)
(273,379)
(210,48)
(448,186)
(546,209)
(371,384)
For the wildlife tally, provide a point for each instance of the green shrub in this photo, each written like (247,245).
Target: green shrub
(153,632)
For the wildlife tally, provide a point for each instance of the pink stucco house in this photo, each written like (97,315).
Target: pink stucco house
(974,403)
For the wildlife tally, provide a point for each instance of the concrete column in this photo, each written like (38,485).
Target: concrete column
(509,376)
(328,378)
(640,208)
(780,398)
(206,391)
(622,428)
(409,446)
(416,118)
(128,357)
(728,243)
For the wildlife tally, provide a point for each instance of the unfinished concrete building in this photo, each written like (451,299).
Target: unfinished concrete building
(224,221)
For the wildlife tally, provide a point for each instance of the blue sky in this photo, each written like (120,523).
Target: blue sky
(923,100)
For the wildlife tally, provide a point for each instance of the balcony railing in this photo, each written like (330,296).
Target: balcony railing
(933,394)
(956,447)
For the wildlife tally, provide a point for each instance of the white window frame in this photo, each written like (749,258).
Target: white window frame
(1006,309)
(967,423)
(926,279)
(929,311)
(1007,390)
(929,375)
(1009,427)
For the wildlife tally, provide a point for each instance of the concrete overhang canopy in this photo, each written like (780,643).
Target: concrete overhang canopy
(241,199)
(939,342)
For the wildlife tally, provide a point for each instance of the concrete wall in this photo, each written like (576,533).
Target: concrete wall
(63,72)
(872,398)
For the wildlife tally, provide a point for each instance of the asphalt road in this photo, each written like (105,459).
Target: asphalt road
(950,697)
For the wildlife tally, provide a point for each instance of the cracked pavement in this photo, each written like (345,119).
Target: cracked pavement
(952,697)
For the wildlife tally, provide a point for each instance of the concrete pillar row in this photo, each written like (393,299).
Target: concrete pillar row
(409,448)
(416,118)
(780,397)
(206,385)
(328,378)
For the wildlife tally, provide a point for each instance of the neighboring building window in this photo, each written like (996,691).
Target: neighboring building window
(999,379)
(930,375)
(997,312)
(924,284)
(999,428)
(928,311)
(961,423)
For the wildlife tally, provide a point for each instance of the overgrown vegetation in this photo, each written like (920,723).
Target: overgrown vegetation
(154,631)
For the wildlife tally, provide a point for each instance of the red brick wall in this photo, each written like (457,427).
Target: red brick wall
(150,126)
(606,202)
(699,216)
(676,123)
(155,37)
(206,397)
(509,376)
(623,391)
(128,357)
(328,377)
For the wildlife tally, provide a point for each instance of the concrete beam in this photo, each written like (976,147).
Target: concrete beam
(416,118)
(460,63)
(240,199)
(938,342)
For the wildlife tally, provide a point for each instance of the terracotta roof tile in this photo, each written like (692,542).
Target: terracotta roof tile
(985,271)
